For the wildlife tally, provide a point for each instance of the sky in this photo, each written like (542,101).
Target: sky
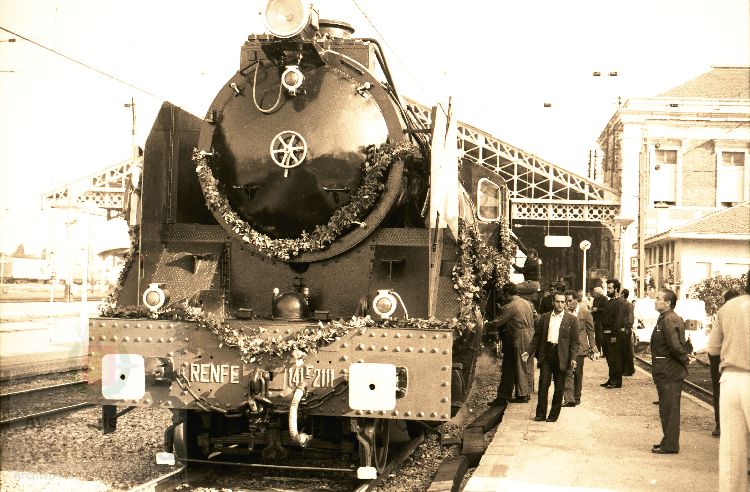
(500,61)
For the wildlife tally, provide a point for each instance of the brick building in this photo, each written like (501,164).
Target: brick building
(676,158)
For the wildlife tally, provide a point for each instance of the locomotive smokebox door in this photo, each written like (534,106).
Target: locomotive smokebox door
(372,386)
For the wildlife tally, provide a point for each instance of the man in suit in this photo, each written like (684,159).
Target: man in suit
(555,345)
(516,327)
(614,322)
(587,339)
(597,311)
(670,362)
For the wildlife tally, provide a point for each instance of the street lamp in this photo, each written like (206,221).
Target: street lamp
(585,245)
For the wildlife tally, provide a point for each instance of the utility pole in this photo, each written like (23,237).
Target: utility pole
(644,175)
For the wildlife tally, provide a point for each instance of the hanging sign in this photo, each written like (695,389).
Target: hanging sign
(558,241)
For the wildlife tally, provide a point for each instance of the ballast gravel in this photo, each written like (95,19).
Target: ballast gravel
(68,453)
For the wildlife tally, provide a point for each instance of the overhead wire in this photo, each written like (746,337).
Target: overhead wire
(83,64)
(395,55)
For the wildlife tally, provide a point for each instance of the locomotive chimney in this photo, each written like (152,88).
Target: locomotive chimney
(335,28)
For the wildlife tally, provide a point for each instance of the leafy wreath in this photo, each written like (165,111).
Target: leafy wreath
(476,265)
(378,161)
(109,303)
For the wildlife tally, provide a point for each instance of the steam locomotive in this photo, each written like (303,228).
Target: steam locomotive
(292,286)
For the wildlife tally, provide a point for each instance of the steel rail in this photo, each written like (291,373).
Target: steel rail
(152,485)
(702,391)
(34,392)
(5,378)
(46,413)
(400,457)
(31,391)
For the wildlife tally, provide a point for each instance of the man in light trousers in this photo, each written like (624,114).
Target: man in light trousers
(730,338)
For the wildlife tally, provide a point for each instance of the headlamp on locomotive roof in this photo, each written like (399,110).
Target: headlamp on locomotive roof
(386,302)
(289,18)
(155,297)
(292,79)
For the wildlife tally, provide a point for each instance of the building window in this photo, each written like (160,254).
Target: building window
(664,177)
(733,158)
(731,178)
(490,201)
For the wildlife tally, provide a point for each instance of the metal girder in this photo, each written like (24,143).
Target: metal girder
(537,189)
(106,189)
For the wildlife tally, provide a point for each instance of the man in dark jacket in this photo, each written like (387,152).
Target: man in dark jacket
(532,272)
(597,311)
(614,321)
(555,345)
(670,362)
(515,325)
(574,379)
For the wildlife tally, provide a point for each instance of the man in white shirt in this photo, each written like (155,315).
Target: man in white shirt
(730,339)
(555,345)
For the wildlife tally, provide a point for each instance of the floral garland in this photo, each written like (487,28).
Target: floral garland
(375,169)
(109,303)
(475,266)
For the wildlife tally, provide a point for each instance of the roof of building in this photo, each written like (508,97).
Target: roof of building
(717,83)
(730,223)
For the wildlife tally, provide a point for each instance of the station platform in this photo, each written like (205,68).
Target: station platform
(603,444)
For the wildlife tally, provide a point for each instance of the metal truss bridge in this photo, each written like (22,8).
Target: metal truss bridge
(539,190)
(106,189)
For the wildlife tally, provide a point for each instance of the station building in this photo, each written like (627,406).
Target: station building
(675,159)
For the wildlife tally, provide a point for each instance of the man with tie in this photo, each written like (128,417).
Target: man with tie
(555,345)
(587,339)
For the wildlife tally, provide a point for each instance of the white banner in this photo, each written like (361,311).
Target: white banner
(444,187)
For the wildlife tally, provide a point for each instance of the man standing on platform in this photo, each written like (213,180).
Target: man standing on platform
(574,378)
(730,338)
(669,368)
(555,345)
(627,348)
(614,319)
(516,327)
(597,311)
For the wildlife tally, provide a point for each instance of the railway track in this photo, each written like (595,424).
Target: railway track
(698,381)
(260,477)
(30,405)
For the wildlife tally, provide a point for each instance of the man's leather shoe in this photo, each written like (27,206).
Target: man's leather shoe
(569,404)
(497,402)
(611,386)
(551,419)
(520,399)
(656,446)
(604,385)
(663,451)
(538,419)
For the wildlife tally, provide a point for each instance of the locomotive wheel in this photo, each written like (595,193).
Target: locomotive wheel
(186,438)
(374,439)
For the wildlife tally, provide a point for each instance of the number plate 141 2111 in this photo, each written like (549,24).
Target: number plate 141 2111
(315,377)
